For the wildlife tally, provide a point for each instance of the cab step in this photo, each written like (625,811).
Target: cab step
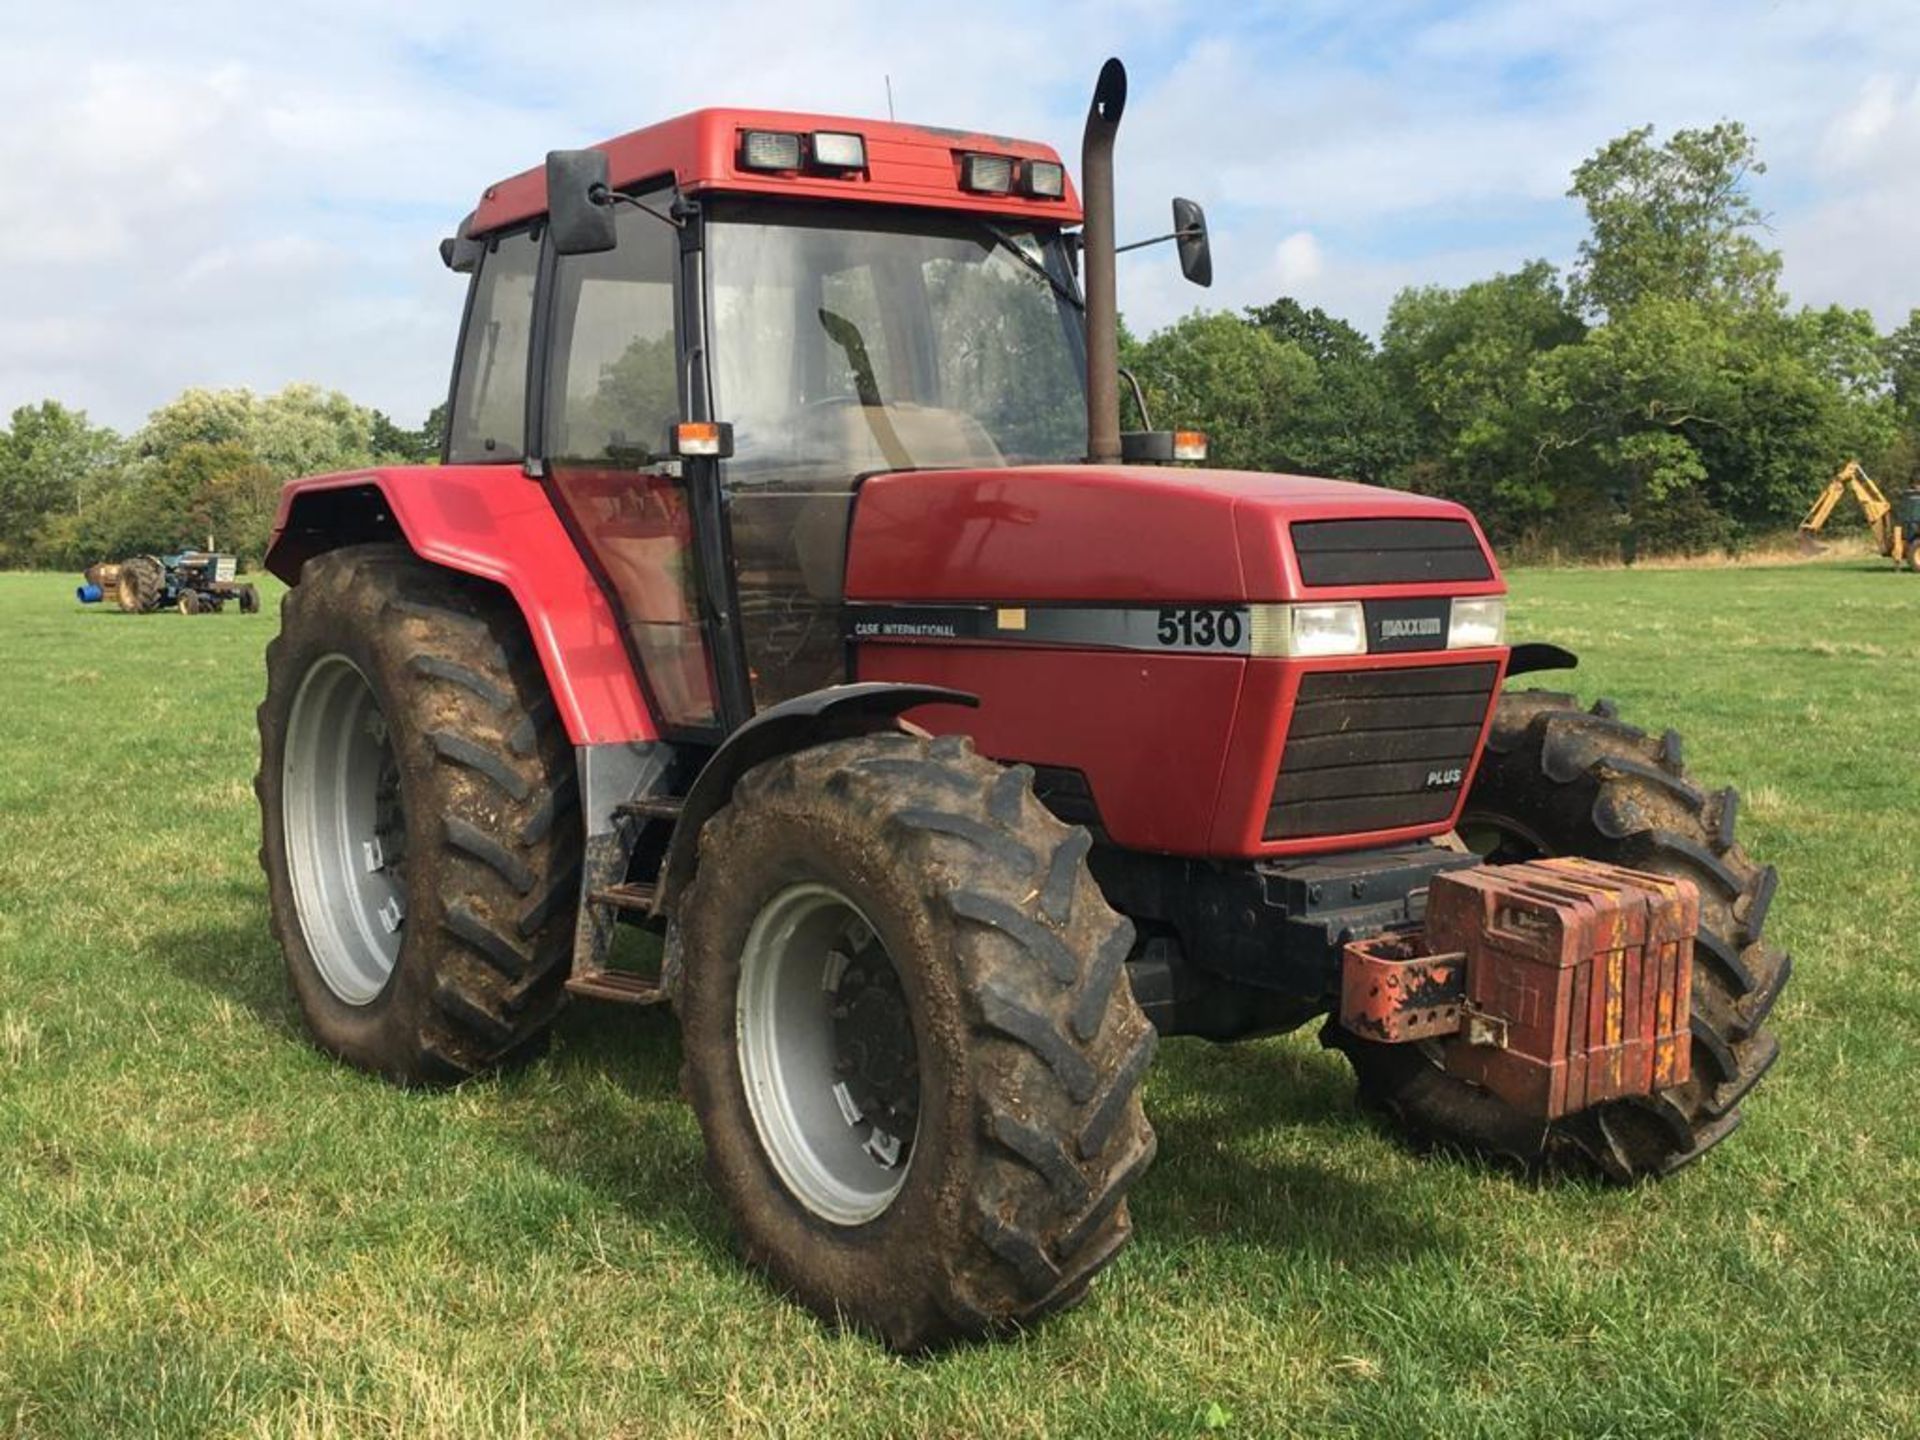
(622,987)
(630,896)
(653,807)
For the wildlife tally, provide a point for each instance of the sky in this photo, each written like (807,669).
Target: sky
(217,193)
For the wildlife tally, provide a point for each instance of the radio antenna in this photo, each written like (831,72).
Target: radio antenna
(889,80)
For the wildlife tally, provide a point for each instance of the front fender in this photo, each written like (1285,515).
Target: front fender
(492,522)
(1533,658)
(835,713)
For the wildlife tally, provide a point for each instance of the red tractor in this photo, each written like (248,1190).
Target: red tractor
(790,589)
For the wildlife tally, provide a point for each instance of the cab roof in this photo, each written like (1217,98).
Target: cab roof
(906,165)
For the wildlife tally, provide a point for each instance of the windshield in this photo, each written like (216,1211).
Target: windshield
(845,343)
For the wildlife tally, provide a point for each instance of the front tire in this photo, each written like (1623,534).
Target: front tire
(976,1179)
(419,825)
(1559,780)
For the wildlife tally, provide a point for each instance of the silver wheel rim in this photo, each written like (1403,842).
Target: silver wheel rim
(344,830)
(841,1147)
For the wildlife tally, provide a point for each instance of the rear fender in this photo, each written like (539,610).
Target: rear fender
(492,522)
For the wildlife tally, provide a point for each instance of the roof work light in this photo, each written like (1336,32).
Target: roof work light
(1044,180)
(769,150)
(988,174)
(839,150)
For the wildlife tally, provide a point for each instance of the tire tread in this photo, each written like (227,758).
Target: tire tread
(1592,784)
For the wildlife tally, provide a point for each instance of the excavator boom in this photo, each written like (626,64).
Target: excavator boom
(1892,538)
(1823,506)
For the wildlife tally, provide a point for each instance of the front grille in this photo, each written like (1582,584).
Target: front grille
(1387,552)
(1363,745)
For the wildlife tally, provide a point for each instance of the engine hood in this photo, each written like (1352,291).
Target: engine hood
(1146,533)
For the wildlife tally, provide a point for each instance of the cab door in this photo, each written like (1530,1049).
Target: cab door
(613,386)
(821,334)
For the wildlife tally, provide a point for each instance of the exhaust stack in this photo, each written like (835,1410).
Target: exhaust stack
(1103,305)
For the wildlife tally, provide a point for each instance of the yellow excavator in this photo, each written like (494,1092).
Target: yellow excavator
(1895,524)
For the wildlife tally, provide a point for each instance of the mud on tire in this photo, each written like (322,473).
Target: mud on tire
(1030,1046)
(142,579)
(486,782)
(1559,780)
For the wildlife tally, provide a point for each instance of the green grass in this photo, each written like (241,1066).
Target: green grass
(208,1228)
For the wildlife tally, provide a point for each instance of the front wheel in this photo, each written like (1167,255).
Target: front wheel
(910,1040)
(1559,780)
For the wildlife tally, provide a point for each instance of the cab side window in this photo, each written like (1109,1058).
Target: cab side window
(490,394)
(614,387)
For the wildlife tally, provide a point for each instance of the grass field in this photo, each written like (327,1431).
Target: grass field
(207,1228)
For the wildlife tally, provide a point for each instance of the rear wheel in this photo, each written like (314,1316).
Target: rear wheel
(1559,780)
(142,581)
(910,1040)
(418,814)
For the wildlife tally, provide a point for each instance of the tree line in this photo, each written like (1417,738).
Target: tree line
(208,464)
(1660,396)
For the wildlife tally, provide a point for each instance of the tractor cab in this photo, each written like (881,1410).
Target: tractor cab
(726,322)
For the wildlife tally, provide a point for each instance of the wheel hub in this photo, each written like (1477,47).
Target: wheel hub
(827,1054)
(874,1054)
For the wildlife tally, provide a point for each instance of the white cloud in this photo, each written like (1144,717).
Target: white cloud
(217,192)
(1856,244)
(1297,261)
(1879,112)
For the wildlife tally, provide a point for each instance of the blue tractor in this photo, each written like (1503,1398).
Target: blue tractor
(194,582)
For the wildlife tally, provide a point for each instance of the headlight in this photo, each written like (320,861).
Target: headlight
(1478,624)
(1304,630)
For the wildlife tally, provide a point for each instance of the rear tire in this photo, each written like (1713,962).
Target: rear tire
(406,712)
(1027,1046)
(1559,780)
(142,581)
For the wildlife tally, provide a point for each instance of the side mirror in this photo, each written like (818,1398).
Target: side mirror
(460,252)
(579,202)
(1190,236)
